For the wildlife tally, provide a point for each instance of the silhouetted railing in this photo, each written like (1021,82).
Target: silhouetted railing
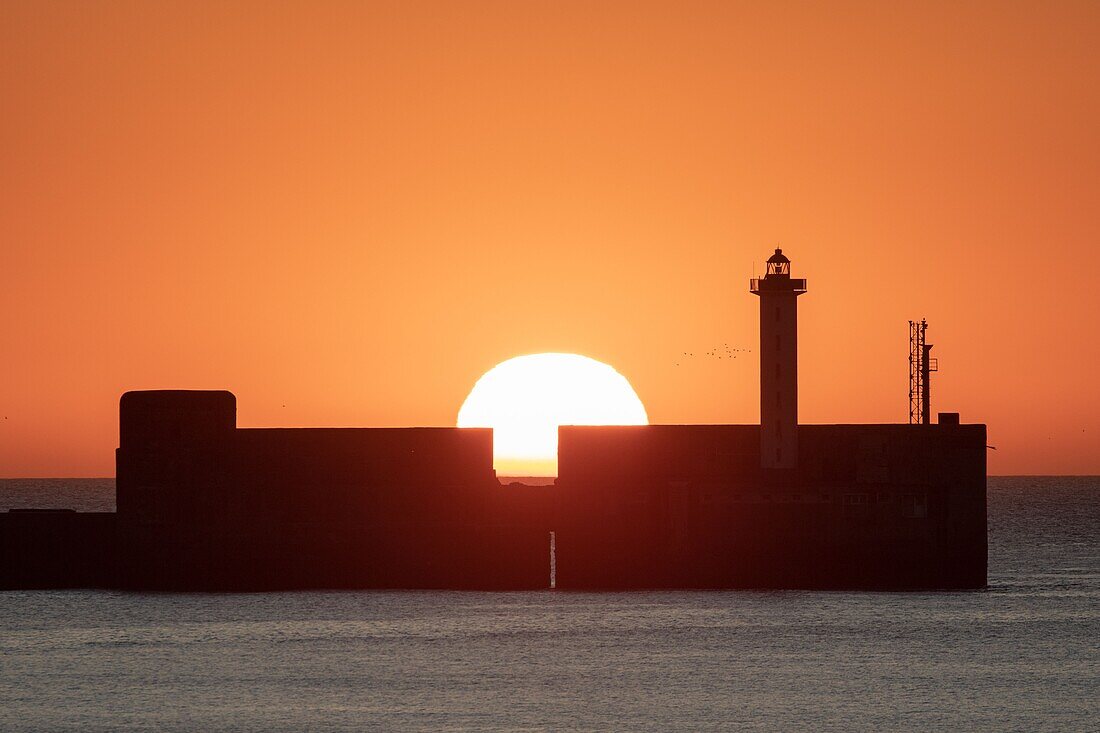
(765,284)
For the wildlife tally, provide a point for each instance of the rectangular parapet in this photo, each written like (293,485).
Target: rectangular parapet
(606,454)
(947,456)
(376,474)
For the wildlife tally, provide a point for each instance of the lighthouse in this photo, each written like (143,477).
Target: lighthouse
(778,293)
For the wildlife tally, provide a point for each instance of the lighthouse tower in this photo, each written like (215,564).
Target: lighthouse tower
(778,362)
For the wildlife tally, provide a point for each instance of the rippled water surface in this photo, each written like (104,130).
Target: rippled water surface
(1024,655)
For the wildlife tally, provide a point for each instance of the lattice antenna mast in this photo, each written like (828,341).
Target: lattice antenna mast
(921,365)
(916,335)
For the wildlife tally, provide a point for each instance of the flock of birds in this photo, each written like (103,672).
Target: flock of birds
(725,351)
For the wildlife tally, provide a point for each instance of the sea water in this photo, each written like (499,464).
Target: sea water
(1023,655)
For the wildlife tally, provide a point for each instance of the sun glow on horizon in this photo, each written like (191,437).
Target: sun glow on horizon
(526,398)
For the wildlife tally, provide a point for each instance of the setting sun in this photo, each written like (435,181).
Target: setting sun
(525,399)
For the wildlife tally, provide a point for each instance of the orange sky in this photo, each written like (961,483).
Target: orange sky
(355,209)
